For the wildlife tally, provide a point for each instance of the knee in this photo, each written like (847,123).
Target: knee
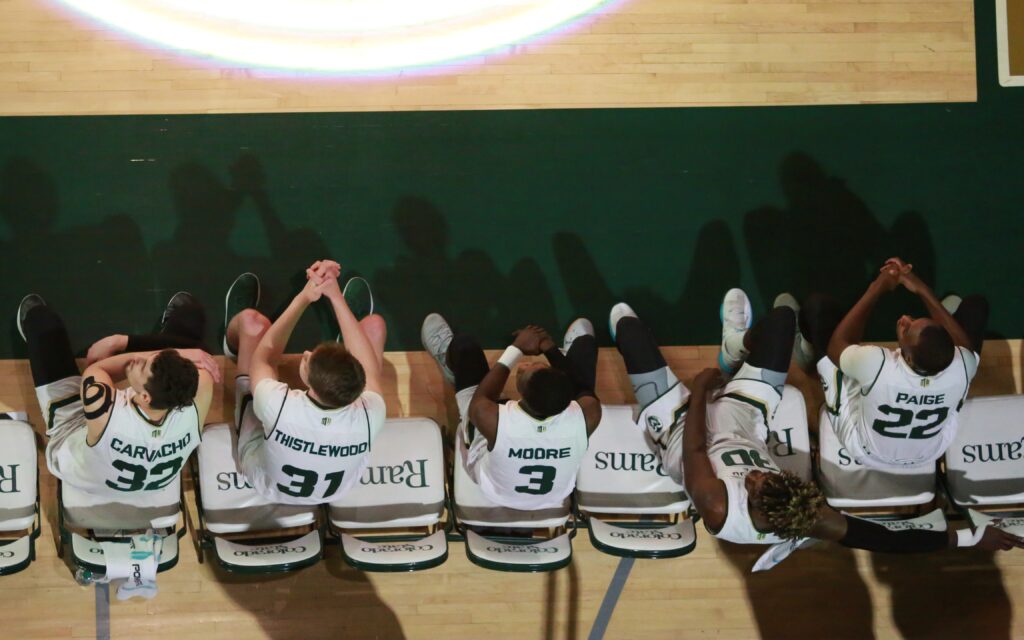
(463,342)
(374,325)
(976,301)
(252,322)
(781,319)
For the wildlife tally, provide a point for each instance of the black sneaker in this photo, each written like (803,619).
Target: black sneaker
(244,293)
(178,300)
(29,302)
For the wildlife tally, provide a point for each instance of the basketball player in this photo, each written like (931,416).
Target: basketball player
(716,446)
(304,446)
(896,408)
(524,454)
(105,440)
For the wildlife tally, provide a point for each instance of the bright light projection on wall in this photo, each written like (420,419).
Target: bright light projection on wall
(335,35)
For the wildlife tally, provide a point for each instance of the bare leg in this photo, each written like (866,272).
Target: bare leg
(376,331)
(244,332)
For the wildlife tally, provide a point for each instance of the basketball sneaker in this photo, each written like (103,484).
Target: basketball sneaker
(579,327)
(951,303)
(28,303)
(803,351)
(177,301)
(436,335)
(244,293)
(358,296)
(736,316)
(618,312)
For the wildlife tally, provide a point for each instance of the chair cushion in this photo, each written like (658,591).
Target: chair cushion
(403,485)
(17,475)
(985,463)
(230,504)
(848,484)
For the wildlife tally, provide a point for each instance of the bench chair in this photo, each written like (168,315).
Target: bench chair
(19,493)
(245,532)
(392,519)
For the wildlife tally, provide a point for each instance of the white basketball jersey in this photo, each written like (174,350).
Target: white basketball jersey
(312,452)
(133,453)
(534,462)
(906,418)
(733,457)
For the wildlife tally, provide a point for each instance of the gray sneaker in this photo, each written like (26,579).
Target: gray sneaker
(436,335)
(951,303)
(177,301)
(244,293)
(28,303)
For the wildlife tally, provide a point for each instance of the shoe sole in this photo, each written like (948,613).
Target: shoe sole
(227,297)
(446,371)
(369,290)
(17,315)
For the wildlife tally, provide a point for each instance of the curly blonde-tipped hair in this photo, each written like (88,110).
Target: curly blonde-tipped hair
(790,504)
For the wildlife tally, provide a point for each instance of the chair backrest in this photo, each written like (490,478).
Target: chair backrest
(621,471)
(789,439)
(404,482)
(985,462)
(848,484)
(472,507)
(18,489)
(229,503)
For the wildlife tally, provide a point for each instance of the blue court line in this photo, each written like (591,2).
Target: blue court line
(102,611)
(611,598)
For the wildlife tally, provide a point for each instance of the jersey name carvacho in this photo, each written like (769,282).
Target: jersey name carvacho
(315,449)
(141,452)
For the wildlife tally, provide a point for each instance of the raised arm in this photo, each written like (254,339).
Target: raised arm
(268,352)
(483,408)
(938,313)
(351,331)
(702,485)
(850,330)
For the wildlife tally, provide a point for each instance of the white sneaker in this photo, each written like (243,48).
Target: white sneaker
(579,327)
(803,351)
(436,335)
(618,312)
(951,303)
(736,316)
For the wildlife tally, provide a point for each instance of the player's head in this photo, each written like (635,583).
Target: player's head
(333,374)
(169,380)
(546,392)
(788,505)
(926,346)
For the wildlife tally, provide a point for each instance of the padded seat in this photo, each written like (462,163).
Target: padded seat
(400,494)
(789,439)
(228,505)
(849,485)
(19,492)
(985,462)
(621,475)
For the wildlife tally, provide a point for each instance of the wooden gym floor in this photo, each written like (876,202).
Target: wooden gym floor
(827,592)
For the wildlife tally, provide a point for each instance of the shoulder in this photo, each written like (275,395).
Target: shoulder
(373,402)
(970,360)
(863,363)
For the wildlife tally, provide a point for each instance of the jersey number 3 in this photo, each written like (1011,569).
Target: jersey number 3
(541,479)
(929,420)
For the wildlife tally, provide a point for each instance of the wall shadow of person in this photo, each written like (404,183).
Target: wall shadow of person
(200,256)
(956,595)
(815,593)
(468,289)
(826,239)
(711,271)
(94,274)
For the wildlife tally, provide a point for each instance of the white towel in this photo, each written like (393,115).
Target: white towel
(779,552)
(134,564)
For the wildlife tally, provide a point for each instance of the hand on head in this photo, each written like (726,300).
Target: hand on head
(528,339)
(710,378)
(202,360)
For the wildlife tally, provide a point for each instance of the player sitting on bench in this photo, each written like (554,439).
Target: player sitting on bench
(104,440)
(717,445)
(524,454)
(893,409)
(300,446)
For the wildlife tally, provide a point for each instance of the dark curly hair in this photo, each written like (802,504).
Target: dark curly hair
(548,391)
(790,504)
(934,350)
(173,381)
(335,375)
